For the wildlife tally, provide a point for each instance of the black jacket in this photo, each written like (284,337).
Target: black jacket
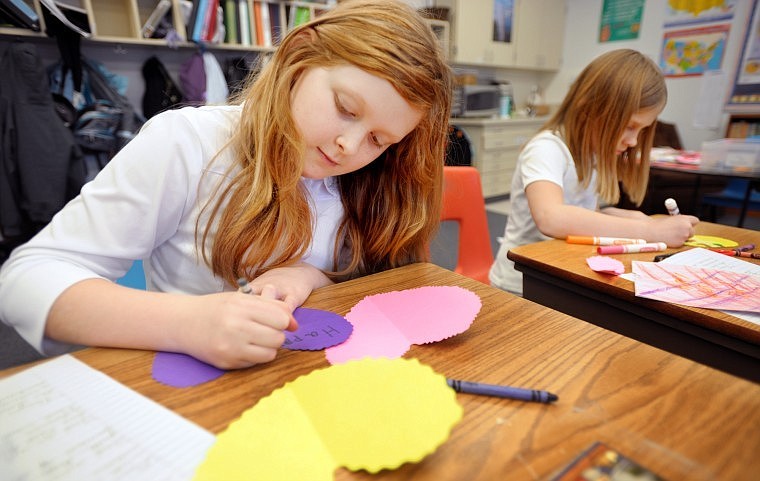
(41,167)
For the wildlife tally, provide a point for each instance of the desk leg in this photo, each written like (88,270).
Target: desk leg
(745,204)
(696,201)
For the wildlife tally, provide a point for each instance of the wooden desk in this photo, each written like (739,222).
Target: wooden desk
(680,418)
(556,275)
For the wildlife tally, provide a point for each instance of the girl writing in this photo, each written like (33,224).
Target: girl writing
(327,166)
(599,138)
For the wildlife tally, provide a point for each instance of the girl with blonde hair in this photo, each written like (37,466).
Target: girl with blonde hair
(567,176)
(327,166)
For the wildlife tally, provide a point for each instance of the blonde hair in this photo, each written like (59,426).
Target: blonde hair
(595,113)
(392,205)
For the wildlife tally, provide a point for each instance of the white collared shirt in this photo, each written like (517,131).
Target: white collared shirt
(143,205)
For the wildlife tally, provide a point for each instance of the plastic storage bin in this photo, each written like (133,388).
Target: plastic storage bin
(739,155)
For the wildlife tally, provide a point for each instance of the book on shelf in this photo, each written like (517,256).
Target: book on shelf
(275,19)
(298,14)
(19,14)
(208,29)
(231,22)
(266,25)
(155,17)
(244,25)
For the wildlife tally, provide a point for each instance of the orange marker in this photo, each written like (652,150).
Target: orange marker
(602,241)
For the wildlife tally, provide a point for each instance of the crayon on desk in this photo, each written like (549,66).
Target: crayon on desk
(508,392)
(602,241)
(672,206)
(738,253)
(632,248)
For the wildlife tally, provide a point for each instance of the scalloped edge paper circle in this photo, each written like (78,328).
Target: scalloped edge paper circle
(371,414)
(387,324)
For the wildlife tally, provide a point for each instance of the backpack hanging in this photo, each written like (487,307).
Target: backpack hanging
(161,93)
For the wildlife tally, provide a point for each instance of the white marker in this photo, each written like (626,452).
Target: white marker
(672,207)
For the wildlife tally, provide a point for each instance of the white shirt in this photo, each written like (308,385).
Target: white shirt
(143,205)
(544,157)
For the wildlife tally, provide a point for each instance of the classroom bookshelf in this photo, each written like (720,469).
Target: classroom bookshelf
(224,24)
(741,126)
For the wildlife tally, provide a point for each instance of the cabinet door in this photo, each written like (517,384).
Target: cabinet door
(539,29)
(472,34)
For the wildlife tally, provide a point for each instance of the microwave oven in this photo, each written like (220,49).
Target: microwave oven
(475,101)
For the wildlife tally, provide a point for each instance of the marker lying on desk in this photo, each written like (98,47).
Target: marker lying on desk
(502,391)
(602,241)
(672,207)
(632,248)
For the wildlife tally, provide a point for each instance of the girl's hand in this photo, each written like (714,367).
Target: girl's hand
(292,284)
(673,230)
(234,330)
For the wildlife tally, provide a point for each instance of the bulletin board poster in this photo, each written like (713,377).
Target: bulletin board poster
(621,20)
(745,95)
(680,13)
(693,51)
(502,20)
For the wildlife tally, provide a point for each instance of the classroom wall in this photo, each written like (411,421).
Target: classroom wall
(581,46)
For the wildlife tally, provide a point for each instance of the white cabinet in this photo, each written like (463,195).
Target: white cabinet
(539,33)
(495,145)
(536,34)
(472,34)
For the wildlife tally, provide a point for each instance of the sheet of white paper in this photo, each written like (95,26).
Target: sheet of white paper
(63,420)
(707,259)
(708,110)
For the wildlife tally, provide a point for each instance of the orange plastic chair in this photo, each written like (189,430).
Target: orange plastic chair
(463,202)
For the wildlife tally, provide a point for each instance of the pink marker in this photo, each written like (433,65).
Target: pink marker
(632,248)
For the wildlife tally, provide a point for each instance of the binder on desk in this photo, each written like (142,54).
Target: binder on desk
(20,14)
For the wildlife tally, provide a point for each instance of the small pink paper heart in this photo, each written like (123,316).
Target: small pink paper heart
(605,265)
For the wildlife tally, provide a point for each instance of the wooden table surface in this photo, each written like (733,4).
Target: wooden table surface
(568,261)
(680,418)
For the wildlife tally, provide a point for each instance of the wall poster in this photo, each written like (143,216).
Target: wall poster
(502,20)
(621,20)
(745,95)
(693,51)
(689,12)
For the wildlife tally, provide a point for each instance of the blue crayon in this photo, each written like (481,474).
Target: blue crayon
(502,391)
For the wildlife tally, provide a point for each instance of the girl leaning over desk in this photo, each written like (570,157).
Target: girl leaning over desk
(599,138)
(328,166)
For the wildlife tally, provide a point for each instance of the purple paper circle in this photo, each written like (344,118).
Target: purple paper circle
(181,370)
(317,329)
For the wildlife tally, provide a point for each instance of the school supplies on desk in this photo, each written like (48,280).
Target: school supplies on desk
(64,420)
(387,324)
(603,462)
(709,241)
(605,265)
(602,241)
(632,248)
(507,392)
(739,253)
(697,287)
(369,414)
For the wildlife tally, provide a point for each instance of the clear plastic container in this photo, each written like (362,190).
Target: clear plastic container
(740,155)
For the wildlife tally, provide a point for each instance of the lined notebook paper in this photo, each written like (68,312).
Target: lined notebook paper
(63,420)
